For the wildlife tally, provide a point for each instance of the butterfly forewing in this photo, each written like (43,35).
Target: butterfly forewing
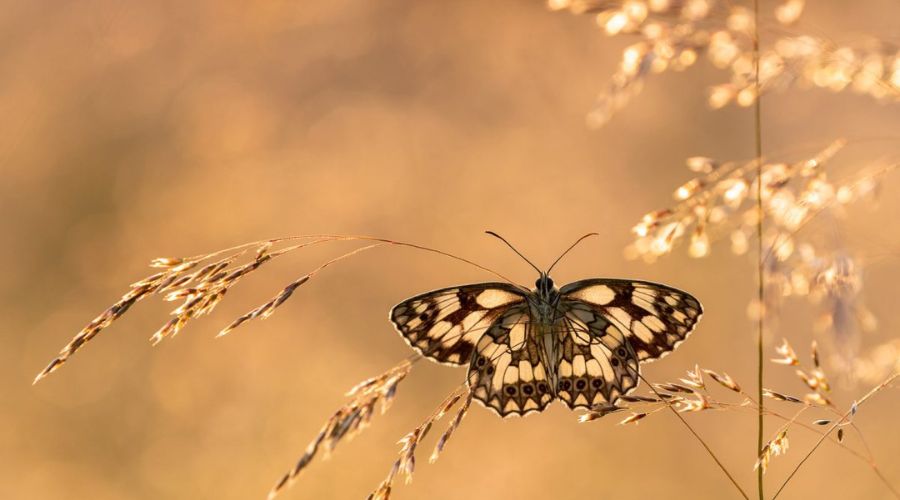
(506,373)
(654,318)
(445,325)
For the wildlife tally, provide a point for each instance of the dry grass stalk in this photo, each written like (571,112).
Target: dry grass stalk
(812,377)
(202,281)
(454,424)
(633,418)
(673,35)
(780,397)
(268,308)
(350,419)
(201,299)
(175,274)
(406,463)
(200,288)
(673,395)
(601,411)
(692,395)
(694,378)
(717,204)
(724,379)
(776,446)
(689,396)
(788,356)
(844,419)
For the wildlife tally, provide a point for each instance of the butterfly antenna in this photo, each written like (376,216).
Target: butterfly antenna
(579,240)
(501,238)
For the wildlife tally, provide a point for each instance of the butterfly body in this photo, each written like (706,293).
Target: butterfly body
(581,344)
(546,325)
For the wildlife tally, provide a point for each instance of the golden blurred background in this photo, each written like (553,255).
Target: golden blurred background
(133,130)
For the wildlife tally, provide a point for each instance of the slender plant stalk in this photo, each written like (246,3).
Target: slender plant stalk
(834,426)
(700,439)
(759,240)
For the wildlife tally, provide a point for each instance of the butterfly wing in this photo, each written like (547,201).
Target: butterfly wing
(506,373)
(445,325)
(653,318)
(597,364)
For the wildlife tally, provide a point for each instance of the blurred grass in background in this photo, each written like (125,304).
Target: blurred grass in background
(136,130)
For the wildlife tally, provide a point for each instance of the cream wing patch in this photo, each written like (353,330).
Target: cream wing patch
(492,298)
(595,294)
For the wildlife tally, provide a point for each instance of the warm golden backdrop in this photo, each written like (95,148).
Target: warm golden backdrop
(132,130)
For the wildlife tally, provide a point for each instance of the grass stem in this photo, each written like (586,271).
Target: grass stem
(761,260)
(699,439)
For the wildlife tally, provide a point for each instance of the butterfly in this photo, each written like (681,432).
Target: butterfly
(525,348)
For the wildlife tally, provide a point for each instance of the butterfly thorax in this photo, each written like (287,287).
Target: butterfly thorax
(544,302)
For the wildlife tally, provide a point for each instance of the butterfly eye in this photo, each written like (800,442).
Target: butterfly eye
(544,283)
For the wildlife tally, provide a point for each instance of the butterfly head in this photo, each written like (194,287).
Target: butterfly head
(544,286)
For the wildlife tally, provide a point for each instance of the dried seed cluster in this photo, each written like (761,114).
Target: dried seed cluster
(673,35)
(199,282)
(691,394)
(351,418)
(719,203)
(406,463)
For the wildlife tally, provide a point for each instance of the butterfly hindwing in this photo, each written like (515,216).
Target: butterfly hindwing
(654,318)
(445,324)
(596,363)
(506,373)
